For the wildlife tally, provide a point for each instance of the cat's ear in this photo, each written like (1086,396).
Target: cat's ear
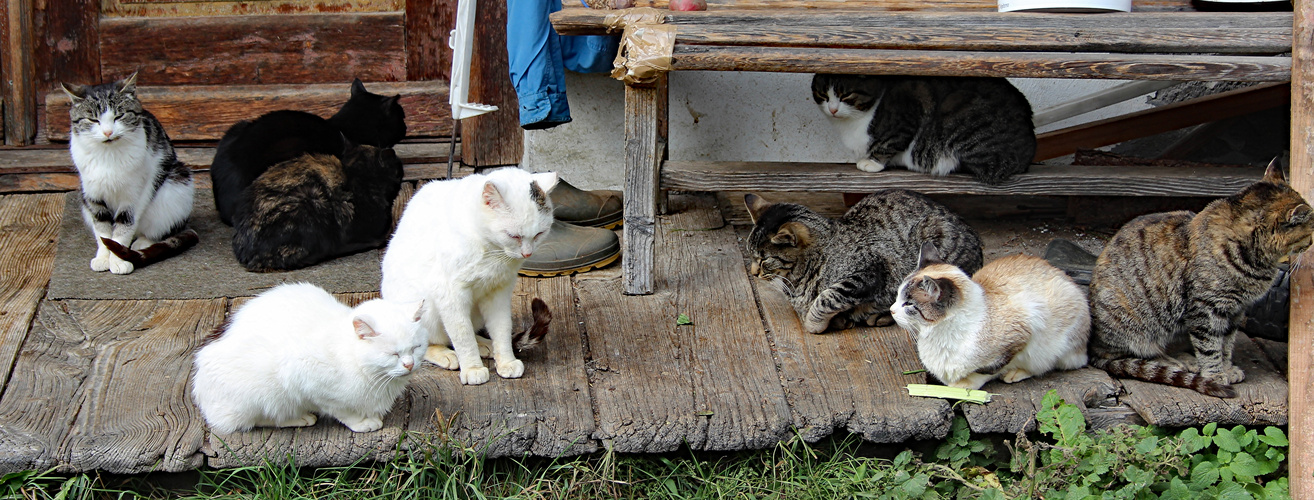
(1299,215)
(930,255)
(357,88)
(75,92)
(363,328)
(127,85)
(390,101)
(793,234)
(1273,174)
(756,205)
(419,311)
(932,288)
(493,197)
(545,180)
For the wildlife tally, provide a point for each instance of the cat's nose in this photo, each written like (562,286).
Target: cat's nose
(107,132)
(833,111)
(408,364)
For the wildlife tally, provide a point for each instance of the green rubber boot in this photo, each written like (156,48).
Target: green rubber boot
(571,249)
(599,208)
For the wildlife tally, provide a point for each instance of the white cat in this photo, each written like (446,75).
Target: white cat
(295,351)
(458,247)
(134,190)
(1016,318)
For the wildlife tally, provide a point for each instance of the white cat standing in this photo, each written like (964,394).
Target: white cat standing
(458,247)
(134,190)
(295,351)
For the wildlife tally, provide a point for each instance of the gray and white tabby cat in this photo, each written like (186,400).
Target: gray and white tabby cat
(846,272)
(935,125)
(134,190)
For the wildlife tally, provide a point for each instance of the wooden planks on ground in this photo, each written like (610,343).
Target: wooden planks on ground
(657,385)
(104,385)
(1261,398)
(28,225)
(1013,407)
(851,379)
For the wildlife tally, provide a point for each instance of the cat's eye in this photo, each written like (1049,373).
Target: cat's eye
(513,236)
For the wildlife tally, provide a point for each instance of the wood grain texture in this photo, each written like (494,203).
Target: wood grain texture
(1013,407)
(963,63)
(198,158)
(174,8)
(1161,119)
(658,386)
(428,23)
(645,147)
(1040,180)
(547,412)
(883,6)
(495,138)
(28,225)
(204,112)
(18,64)
(68,46)
(255,49)
(1300,362)
(1261,398)
(104,385)
(850,379)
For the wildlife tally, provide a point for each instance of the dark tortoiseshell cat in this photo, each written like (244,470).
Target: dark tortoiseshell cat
(845,272)
(935,125)
(1171,278)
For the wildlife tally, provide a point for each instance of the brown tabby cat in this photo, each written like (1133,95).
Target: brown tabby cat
(1172,277)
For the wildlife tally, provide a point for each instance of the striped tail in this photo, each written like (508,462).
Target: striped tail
(527,339)
(169,247)
(1163,373)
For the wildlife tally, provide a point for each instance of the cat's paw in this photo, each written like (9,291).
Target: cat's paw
(120,266)
(511,369)
(101,263)
(1015,375)
(870,165)
(474,375)
(882,320)
(443,357)
(485,347)
(1234,374)
(368,424)
(815,326)
(306,420)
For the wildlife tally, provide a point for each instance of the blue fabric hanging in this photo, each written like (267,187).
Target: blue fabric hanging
(538,58)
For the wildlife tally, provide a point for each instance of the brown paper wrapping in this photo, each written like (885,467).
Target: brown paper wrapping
(618,19)
(645,48)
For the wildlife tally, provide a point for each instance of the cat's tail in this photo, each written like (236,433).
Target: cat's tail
(527,339)
(166,248)
(1164,373)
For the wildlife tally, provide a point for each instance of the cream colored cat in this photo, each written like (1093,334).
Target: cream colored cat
(1016,318)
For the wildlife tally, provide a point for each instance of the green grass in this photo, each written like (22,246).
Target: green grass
(1061,460)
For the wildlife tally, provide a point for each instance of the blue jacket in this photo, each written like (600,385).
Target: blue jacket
(538,57)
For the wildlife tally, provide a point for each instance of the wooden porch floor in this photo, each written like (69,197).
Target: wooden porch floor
(104,384)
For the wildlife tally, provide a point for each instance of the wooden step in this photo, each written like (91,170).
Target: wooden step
(1040,180)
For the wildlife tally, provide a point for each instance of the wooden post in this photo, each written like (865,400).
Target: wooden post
(1300,342)
(495,138)
(19,72)
(428,23)
(645,146)
(68,44)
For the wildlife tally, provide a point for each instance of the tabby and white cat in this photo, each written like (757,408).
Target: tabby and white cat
(845,272)
(1016,318)
(135,192)
(294,352)
(458,247)
(936,125)
(1169,279)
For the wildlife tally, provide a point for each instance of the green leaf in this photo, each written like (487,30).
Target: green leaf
(1274,436)
(1147,445)
(1277,489)
(903,459)
(1246,467)
(1232,491)
(1225,440)
(916,485)
(1209,428)
(1244,437)
(1077,493)
(1178,490)
(1193,441)
(1203,476)
(683,319)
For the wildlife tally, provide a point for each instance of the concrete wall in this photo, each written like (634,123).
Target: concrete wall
(728,116)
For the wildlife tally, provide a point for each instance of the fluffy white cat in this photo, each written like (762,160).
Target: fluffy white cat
(295,351)
(458,247)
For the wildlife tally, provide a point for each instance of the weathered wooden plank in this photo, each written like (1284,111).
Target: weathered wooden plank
(1040,180)
(18,64)
(882,6)
(658,386)
(198,158)
(103,385)
(38,183)
(1261,398)
(1162,119)
(69,46)
(172,8)
(1301,330)
(428,23)
(548,412)
(962,63)
(1012,407)
(494,138)
(645,147)
(256,49)
(204,112)
(28,225)
(851,379)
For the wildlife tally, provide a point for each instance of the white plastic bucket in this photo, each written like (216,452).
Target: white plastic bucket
(1065,5)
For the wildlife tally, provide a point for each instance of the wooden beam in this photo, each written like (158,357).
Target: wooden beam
(1300,360)
(818,6)
(963,63)
(645,146)
(19,69)
(428,23)
(68,49)
(260,49)
(1040,180)
(204,112)
(495,138)
(1162,119)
